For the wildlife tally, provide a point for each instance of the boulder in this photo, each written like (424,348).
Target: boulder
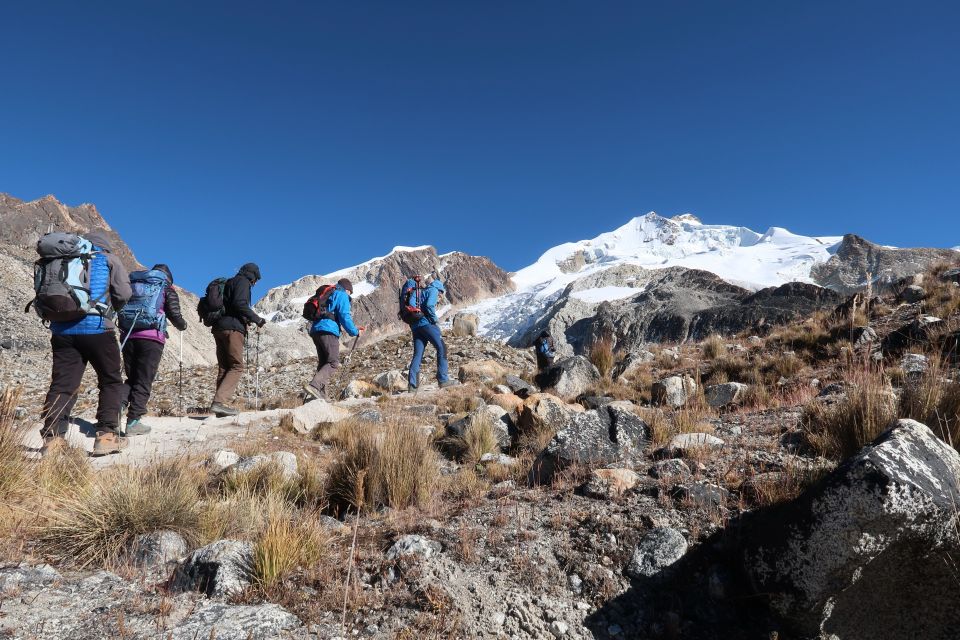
(220,569)
(863,337)
(917,332)
(285,461)
(914,364)
(308,416)
(502,388)
(951,275)
(482,371)
(632,363)
(682,443)
(498,458)
(656,551)
(606,436)
(370,414)
(728,393)
(703,494)
(543,411)
(866,553)
(520,386)
(359,389)
(235,622)
(673,391)
(465,324)
(413,545)
(25,576)
(610,483)
(498,417)
(155,550)
(671,468)
(220,460)
(912,294)
(569,377)
(391,381)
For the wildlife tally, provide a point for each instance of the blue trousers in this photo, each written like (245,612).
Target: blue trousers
(421,336)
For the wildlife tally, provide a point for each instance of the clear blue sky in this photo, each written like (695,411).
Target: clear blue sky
(311,136)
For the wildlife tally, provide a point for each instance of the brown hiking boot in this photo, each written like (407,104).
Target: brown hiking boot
(312,393)
(53,445)
(108,442)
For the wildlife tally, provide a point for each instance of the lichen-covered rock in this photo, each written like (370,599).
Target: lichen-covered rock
(24,575)
(544,411)
(220,460)
(391,381)
(610,483)
(236,622)
(722,395)
(913,293)
(155,550)
(658,549)
(569,377)
(520,386)
(219,569)
(413,545)
(315,412)
(497,417)
(682,443)
(605,436)
(285,461)
(359,389)
(867,552)
(673,391)
(482,371)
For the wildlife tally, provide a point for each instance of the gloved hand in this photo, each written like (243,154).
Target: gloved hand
(261,323)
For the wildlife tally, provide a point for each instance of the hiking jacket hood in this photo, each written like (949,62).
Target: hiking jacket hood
(109,281)
(428,303)
(340,306)
(236,301)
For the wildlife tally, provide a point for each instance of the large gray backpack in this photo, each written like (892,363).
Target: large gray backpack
(61,278)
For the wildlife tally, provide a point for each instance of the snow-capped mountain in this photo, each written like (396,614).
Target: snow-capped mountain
(738,255)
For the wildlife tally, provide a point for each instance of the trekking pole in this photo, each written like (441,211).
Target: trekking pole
(256,378)
(346,361)
(132,325)
(180,383)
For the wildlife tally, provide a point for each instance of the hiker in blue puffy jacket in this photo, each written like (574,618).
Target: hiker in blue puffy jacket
(92,340)
(426,330)
(325,333)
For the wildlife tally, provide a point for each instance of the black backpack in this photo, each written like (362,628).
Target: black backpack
(315,308)
(410,301)
(211,307)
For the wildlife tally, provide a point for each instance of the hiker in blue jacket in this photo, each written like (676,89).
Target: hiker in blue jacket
(426,330)
(325,333)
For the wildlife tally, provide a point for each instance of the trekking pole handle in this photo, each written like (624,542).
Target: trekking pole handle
(130,332)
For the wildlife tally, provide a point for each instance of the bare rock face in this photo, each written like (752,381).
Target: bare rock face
(219,569)
(467,279)
(570,377)
(866,553)
(859,262)
(604,436)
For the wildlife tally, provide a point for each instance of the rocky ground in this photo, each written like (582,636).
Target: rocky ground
(682,493)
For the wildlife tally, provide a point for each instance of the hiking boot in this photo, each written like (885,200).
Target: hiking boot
(448,383)
(137,428)
(312,393)
(411,388)
(108,442)
(221,410)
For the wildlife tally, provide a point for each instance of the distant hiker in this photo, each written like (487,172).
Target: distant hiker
(79,286)
(143,322)
(418,308)
(546,352)
(330,308)
(226,308)
(545,349)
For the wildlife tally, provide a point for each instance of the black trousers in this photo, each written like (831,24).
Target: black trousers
(141,360)
(70,357)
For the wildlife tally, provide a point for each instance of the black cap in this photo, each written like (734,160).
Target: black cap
(346,284)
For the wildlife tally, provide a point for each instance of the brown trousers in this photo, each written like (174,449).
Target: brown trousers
(328,358)
(229,363)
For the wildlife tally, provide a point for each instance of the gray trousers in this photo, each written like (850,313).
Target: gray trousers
(328,358)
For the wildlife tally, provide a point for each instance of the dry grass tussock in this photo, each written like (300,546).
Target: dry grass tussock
(713,347)
(779,487)
(392,465)
(839,430)
(479,438)
(601,355)
(933,400)
(289,540)
(96,525)
(14,468)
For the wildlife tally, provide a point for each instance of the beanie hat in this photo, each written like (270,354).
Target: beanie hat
(346,284)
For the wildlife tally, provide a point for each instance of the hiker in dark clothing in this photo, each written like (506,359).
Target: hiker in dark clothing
(325,333)
(141,357)
(545,349)
(92,340)
(426,331)
(230,331)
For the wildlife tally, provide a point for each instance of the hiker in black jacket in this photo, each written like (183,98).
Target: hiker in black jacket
(230,331)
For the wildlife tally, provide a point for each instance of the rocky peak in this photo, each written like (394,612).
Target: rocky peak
(22,223)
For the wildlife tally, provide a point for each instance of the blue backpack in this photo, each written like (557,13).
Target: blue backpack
(145,308)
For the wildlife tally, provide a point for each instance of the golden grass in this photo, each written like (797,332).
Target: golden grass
(840,430)
(14,468)
(289,540)
(96,525)
(713,347)
(601,355)
(479,438)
